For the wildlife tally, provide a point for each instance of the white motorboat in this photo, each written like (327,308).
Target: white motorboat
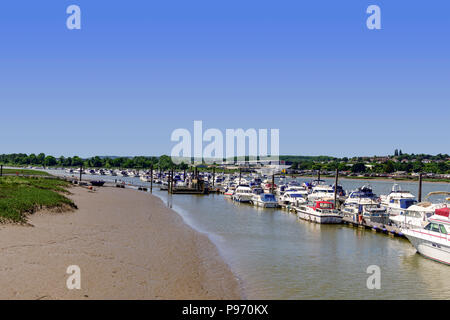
(242,194)
(321,191)
(397,201)
(320,212)
(293,197)
(365,192)
(265,200)
(433,240)
(416,216)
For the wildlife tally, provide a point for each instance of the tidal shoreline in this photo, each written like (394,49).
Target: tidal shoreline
(128,245)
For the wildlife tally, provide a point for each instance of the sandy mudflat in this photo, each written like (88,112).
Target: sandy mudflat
(128,245)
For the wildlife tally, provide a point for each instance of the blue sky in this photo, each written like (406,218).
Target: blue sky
(137,70)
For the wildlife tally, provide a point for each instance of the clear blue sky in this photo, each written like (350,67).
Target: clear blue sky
(137,70)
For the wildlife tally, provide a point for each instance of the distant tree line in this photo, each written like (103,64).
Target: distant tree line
(20,159)
(386,167)
(403,162)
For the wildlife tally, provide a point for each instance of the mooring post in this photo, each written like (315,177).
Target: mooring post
(81,171)
(335,189)
(420,188)
(318,177)
(1,170)
(151,178)
(273,183)
(171,180)
(214,175)
(240,174)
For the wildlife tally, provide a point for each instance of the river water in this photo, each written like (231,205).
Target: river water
(277,256)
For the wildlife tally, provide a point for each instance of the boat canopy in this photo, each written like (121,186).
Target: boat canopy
(267,197)
(443,212)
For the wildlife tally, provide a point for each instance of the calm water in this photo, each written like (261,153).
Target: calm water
(280,257)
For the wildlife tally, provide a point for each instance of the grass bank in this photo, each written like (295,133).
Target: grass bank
(26,172)
(20,196)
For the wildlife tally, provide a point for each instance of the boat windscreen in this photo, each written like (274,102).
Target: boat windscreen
(268,197)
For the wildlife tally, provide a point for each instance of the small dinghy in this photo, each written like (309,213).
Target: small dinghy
(97,183)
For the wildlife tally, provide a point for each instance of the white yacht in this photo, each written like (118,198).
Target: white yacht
(321,191)
(265,200)
(416,216)
(365,192)
(242,194)
(397,201)
(293,197)
(320,212)
(433,241)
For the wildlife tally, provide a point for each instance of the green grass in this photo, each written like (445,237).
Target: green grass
(20,196)
(27,172)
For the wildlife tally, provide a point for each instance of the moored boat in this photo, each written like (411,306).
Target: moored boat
(319,212)
(433,241)
(265,200)
(242,194)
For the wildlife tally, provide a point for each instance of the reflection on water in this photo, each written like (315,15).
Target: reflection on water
(280,257)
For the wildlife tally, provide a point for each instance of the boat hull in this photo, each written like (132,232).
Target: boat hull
(319,218)
(432,250)
(241,198)
(265,204)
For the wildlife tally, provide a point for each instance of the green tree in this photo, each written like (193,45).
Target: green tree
(358,167)
(389,167)
(165,162)
(50,161)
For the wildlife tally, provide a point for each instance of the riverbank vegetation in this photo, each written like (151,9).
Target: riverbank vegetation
(21,196)
(24,172)
(398,162)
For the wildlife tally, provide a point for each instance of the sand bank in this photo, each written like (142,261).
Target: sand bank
(128,245)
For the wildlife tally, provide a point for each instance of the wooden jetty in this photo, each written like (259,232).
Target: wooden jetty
(187,190)
(374,226)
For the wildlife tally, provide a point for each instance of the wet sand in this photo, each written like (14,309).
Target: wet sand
(128,245)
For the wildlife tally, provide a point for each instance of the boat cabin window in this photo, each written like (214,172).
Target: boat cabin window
(435,227)
(326,205)
(432,227)
(443,230)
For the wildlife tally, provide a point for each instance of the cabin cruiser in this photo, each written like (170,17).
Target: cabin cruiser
(255,182)
(281,189)
(145,178)
(134,174)
(293,197)
(265,200)
(241,181)
(365,192)
(366,208)
(397,201)
(321,192)
(122,173)
(320,212)
(243,193)
(229,189)
(416,216)
(257,190)
(433,241)
(219,180)
(268,187)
